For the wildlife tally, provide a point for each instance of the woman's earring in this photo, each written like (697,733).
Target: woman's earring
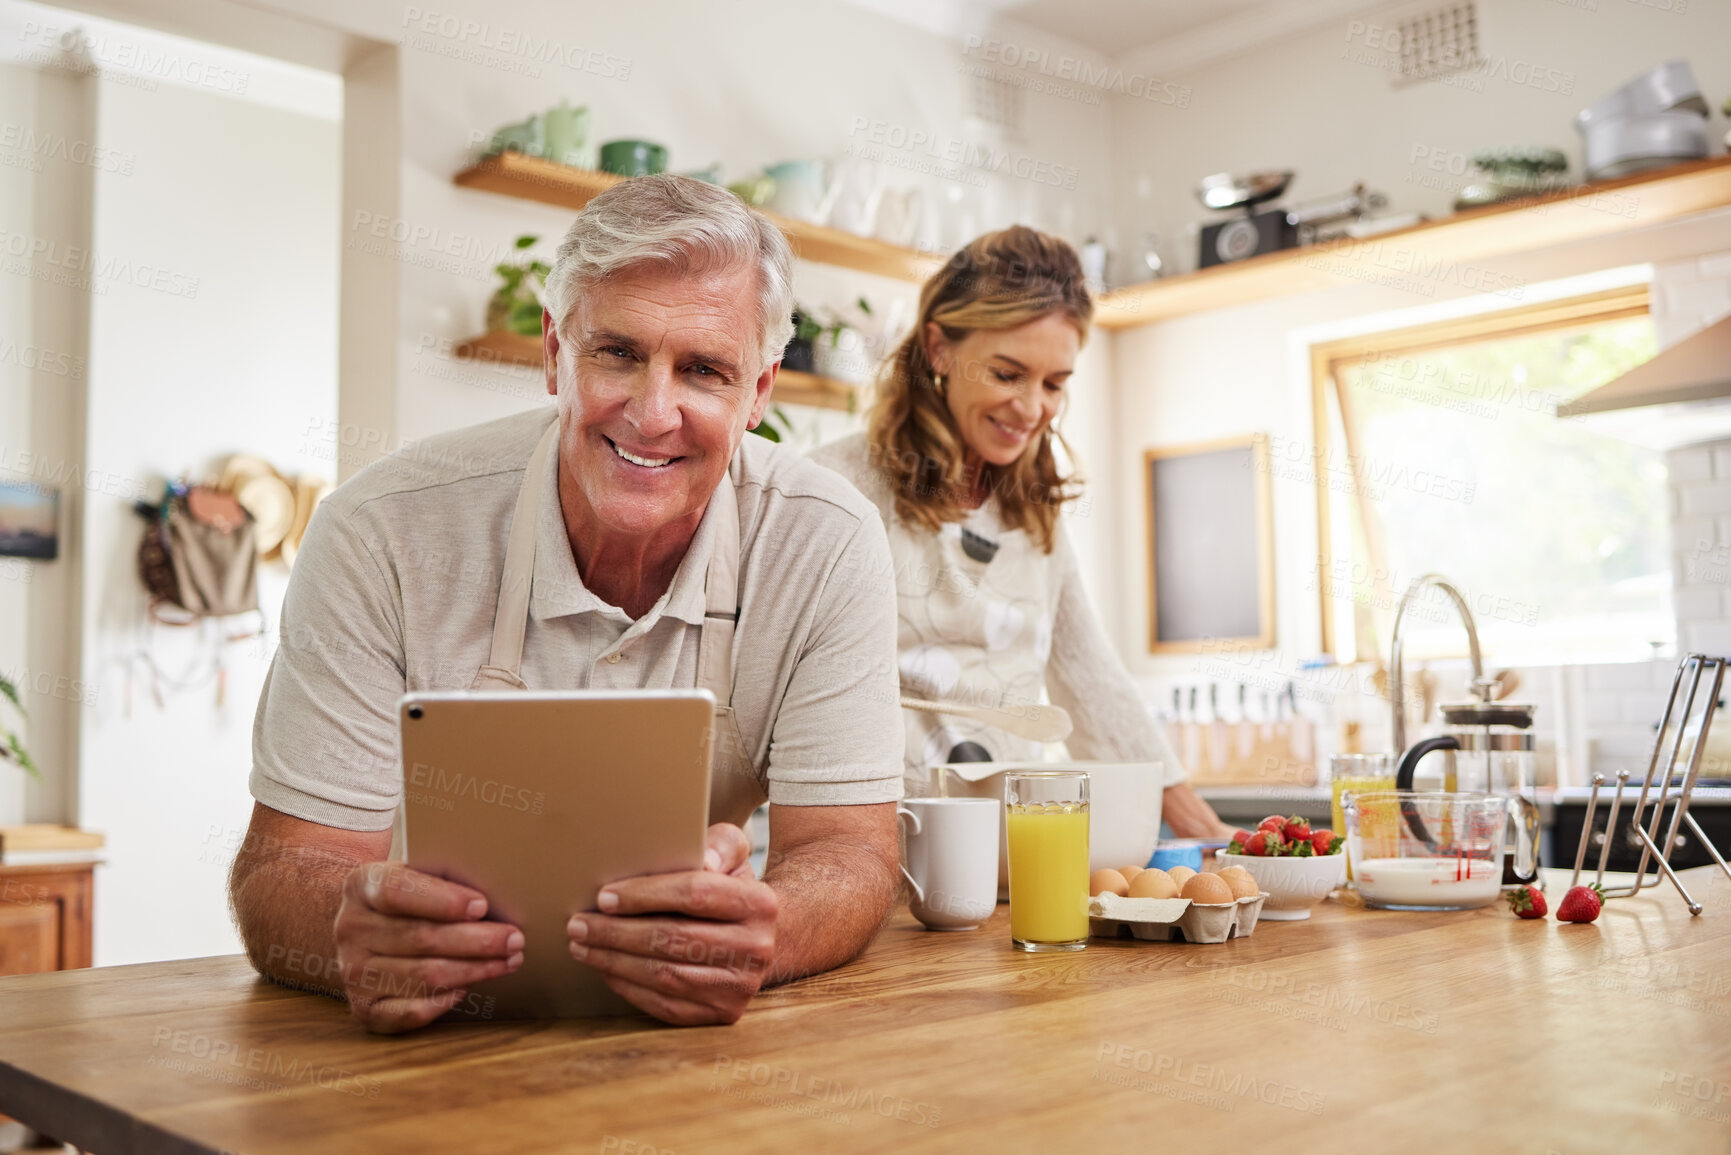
(938,383)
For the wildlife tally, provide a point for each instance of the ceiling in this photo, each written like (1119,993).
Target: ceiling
(1113,27)
(1169,35)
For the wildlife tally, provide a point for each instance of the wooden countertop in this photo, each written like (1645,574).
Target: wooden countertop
(1359,1030)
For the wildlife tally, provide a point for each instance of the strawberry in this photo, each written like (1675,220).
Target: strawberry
(1297,829)
(1581,904)
(1261,844)
(1274,824)
(1527,902)
(1324,841)
(1299,848)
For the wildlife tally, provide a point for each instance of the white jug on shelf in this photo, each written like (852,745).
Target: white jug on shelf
(805,190)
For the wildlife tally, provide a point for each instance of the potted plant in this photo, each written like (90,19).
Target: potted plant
(797,357)
(842,349)
(11,745)
(515,306)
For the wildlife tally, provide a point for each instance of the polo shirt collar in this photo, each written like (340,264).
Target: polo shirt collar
(558,589)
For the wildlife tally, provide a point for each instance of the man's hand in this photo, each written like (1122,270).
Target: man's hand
(410,945)
(689,948)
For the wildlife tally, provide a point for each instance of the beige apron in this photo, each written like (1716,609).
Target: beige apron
(503,670)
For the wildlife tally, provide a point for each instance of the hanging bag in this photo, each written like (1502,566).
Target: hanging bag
(197,558)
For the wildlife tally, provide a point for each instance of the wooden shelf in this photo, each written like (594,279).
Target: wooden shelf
(501,348)
(791,387)
(1438,253)
(531,178)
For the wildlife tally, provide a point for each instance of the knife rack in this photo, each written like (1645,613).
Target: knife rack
(1246,753)
(1674,731)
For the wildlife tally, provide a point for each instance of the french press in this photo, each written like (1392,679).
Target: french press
(1488,749)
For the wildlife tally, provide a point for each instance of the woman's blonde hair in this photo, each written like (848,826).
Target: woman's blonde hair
(1001,280)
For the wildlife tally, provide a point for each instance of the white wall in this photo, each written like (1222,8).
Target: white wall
(229,345)
(45,187)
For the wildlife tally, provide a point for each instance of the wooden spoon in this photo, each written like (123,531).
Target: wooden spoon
(1037,723)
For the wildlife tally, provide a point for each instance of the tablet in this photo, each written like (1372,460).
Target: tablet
(537,800)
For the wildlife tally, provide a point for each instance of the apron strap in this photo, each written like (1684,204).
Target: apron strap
(511,617)
(721,596)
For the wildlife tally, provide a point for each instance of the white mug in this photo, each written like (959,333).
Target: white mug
(952,860)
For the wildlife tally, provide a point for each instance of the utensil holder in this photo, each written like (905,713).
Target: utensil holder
(1685,688)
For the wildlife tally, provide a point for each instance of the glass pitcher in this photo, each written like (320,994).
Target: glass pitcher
(1488,749)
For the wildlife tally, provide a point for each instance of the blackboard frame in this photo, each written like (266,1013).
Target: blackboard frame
(1256,478)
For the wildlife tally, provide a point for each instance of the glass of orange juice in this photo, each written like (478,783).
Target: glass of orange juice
(1046,824)
(1359,773)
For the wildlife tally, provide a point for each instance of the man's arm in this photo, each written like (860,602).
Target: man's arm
(835,877)
(319,910)
(285,887)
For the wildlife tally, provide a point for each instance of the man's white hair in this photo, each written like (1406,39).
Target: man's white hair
(682,223)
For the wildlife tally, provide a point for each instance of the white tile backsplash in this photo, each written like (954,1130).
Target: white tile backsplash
(1621,676)
(1706,498)
(1708,637)
(1698,602)
(1701,542)
(1694,463)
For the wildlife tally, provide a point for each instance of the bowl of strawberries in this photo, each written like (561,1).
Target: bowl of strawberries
(1295,864)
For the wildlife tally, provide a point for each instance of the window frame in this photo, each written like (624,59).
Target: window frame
(1328,358)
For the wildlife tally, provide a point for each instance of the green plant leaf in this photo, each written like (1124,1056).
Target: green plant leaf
(19,755)
(525,318)
(526,240)
(10,693)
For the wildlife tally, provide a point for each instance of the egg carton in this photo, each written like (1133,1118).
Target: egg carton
(1169,919)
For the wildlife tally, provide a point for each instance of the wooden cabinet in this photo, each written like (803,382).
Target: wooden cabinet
(45,916)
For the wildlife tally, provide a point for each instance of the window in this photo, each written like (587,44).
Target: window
(1438,450)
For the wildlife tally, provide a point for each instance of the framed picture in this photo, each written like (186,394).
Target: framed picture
(29,521)
(1210,545)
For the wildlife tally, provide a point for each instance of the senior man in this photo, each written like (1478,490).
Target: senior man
(660,547)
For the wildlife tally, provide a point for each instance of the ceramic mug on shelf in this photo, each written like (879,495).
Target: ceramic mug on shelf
(952,860)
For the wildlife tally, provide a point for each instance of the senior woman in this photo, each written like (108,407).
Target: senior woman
(662,547)
(959,459)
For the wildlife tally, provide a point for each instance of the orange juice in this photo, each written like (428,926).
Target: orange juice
(1358,773)
(1048,872)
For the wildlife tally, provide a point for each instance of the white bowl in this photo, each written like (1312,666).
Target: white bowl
(1293,885)
(1123,806)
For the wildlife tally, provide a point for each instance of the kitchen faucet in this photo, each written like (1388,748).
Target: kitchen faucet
(1481,688)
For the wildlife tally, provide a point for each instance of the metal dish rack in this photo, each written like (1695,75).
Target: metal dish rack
(1685,688)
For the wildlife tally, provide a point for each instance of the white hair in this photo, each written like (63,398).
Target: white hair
(683,223)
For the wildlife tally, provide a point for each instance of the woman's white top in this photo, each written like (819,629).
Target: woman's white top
(987,618)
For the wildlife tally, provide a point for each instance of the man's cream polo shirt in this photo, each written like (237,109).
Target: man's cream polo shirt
(395,586)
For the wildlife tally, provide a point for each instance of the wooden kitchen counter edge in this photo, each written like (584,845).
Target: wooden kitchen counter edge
(930,1040)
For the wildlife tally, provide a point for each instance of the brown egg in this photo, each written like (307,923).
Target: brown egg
(1181,875)
(1105,880)
(1207,889)
(1153,883)
(1130,872)
(1241,882)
